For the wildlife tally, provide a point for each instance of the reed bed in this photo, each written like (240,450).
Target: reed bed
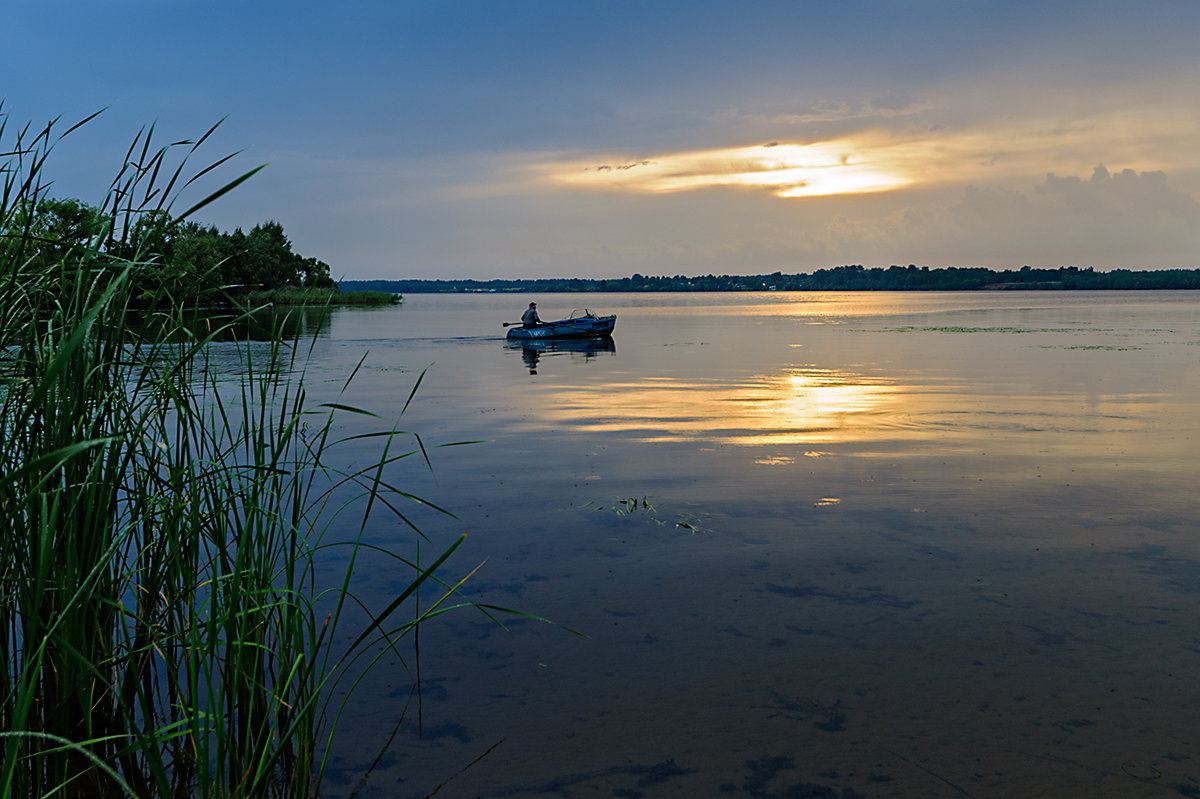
(163,627)
(295,295)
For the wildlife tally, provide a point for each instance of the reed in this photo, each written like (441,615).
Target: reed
(295,295)
(163,627)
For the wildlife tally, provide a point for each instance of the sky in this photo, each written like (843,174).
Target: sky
(601,138)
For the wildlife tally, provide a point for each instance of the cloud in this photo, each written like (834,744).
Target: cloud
(879,158)
(1125,214)
(1121,219)
(787,170)
(882,107)
(1002,194)
(1107,194)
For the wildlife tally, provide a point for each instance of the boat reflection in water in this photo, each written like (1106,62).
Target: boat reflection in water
(587,348)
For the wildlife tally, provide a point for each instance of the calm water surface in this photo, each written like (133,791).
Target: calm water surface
(845,545)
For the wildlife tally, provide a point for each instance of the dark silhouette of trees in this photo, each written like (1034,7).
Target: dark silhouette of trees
(854,277)
(186,260)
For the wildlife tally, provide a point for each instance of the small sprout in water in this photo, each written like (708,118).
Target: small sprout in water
(630,505)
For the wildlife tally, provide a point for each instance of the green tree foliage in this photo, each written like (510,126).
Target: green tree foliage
(49,230)
(183,260)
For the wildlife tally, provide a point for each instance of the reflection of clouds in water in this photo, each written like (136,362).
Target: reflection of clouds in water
(1012,541)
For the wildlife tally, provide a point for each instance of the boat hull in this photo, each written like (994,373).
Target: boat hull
(580,327)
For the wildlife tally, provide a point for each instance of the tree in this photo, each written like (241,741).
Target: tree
(52,230)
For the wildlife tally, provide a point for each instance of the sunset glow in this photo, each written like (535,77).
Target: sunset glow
(880,159)
(583,140)
(788,170)
(800,406)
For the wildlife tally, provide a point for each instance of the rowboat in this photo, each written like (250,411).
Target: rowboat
(586,326)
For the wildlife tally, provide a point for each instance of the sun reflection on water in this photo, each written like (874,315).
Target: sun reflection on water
(802,405)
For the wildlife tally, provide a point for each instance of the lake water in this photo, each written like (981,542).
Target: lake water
(822,545)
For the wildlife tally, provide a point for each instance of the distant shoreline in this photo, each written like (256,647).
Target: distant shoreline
(842,278)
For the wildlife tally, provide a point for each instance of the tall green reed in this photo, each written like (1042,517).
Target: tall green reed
(164,628)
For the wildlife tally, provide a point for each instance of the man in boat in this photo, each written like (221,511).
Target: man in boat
(530,318)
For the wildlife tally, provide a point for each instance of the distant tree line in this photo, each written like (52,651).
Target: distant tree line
(842,278)
(182,260)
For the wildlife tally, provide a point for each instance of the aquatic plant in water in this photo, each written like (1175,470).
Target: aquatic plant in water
(164,630)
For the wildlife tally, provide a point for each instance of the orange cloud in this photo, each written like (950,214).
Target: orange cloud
(880,160)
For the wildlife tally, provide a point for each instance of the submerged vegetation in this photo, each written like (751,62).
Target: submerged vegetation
(164,627)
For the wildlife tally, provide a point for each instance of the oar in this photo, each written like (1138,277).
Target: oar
(549,324)
(540,324)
